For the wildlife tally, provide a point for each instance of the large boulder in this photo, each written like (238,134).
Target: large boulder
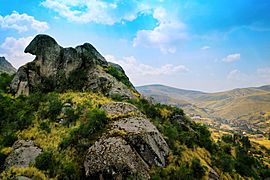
(114,158)
(24,153)
(129,148)
(58,69)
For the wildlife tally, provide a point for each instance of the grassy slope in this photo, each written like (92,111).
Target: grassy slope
(229,104)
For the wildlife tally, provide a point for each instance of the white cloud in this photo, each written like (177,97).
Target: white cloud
(237,75)
(164,36)
(264,73)
(14,50)
(232,57)
(205,47)
(139,72)
(241,79)
(97,11)
(22,22)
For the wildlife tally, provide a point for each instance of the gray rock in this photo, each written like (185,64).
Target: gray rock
(140,145)
(116,109)
(58,68)
(213,175)
(22,178)
(145,138)
(112,158)
(24,153)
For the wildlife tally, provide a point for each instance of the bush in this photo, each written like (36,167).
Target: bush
(119,75)
(53,108)
(198,169)
(96,122)
(45,127)
(9,139)
(2,161)
(71,115)
(224,162)
(69,171)
(46,161)
(5,80)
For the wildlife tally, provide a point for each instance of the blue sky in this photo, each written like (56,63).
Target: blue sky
(191,44)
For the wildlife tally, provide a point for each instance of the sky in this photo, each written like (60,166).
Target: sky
(190,44)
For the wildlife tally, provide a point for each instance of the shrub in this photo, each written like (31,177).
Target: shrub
(96,122)
(46,161)
(225,162)
(45,127)
(9,139)
(119,75)
(71,115)
(2,160)
(198,169)
(69,171)
(5,80)
(53,108)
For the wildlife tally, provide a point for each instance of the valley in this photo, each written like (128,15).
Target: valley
(243,111)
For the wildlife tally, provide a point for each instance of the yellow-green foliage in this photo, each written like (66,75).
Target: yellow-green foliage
(120,116)
(30,172)
(50,141)
(118,132)
(78,98)
(47,141)
(199,153)
(6,150)
(165,113)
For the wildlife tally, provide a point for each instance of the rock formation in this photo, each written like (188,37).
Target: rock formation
(24,153)
(58,69)
(131,146)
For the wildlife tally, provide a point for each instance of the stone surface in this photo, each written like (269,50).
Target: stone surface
(24,153)
(145,138)
(139,144)
(213,175)
(58,68)
(116,109)
(22,178)
(112,158)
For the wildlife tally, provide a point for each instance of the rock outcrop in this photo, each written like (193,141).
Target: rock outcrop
(24,153)
(58,69)
(131,146)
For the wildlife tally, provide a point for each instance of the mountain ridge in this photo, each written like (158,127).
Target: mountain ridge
(6,66)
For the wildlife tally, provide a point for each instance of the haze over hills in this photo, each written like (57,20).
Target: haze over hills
(243,104)
(6,67)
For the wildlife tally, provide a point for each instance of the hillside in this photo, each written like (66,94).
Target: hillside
(229,105)
(69,114)
(6,67)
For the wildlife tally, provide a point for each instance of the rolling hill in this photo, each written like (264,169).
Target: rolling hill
(238,104)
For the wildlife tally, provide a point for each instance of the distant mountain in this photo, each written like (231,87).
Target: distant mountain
(266,88)
(237,104)
(6,67)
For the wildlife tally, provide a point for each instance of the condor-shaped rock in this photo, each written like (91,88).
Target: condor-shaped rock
(58,69)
